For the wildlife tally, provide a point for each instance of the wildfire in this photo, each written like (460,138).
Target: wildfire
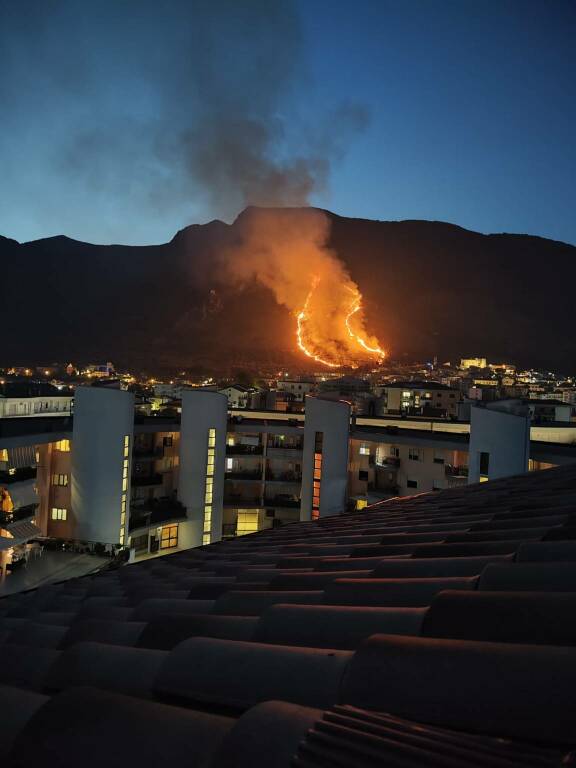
(356,307)
(300,321)
(348,344)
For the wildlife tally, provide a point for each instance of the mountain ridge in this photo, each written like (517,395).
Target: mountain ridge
(429,288)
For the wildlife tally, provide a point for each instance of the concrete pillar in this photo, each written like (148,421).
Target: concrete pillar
(102,439)
(325,454)
(202,464)
(499,440)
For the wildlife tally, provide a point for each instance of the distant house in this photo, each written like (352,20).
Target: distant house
(237,395)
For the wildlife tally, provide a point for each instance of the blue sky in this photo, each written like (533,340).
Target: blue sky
(470,109)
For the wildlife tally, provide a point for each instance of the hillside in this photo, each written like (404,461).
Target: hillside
(429,287)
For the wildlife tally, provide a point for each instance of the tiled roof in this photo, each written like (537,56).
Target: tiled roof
(435,630)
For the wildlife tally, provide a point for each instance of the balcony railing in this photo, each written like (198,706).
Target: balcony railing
(155,512)
(284,477)
(244,450)
(142,480)
(237,500)
(282,445)
(22,513)
(25,473)
(452,471)
(145,452)
(244,475)
(390,461)
(282,501)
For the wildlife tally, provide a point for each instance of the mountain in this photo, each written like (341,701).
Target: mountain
(429,288)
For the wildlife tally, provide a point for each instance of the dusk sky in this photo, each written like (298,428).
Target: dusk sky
(126,120)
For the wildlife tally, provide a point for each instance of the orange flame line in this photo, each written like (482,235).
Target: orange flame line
(356,305)
(301,317)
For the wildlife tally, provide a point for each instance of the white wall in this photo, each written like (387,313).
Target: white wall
(505,435)
(102,418)
(333,419)
(201,411)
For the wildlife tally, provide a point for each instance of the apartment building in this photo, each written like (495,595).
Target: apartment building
(159,483)
(25,399)
(419,398)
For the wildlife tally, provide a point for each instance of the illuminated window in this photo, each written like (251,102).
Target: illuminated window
(58,513)
(3,454)
(59,479)
(361,503)
(169,537)
(62,445)
(123,501)
(209,486)
(247,521)
(364,450)
(317,477)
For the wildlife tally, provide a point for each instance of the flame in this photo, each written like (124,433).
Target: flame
(356,307)
(300,320)
(308,346)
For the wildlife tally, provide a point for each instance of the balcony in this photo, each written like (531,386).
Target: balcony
(244,475)
(287,452)
(284,500)
(145,453)
(452,471)
(143,480)
(25,473)
(156,512)
(283,477)
(22,513)
(390,461)
(237,500)
(244,450)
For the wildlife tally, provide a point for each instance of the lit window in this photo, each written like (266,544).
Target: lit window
(3,454)
(59,479)
(59,513)
(361,503)
(364,450)
(62,445)
(169,537)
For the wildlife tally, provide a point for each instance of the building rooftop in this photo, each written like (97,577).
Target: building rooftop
(433,630)
(432,385)
(31,389)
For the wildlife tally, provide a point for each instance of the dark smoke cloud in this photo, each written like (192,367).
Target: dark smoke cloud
(156,107)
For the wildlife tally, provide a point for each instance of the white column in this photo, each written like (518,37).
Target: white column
(102,439)
(325,454)
(202,464)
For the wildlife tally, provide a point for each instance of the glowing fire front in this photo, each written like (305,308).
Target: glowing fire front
(340,349)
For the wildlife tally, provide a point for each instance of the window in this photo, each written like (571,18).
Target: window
(169,537)
(58,513)
(414,454)
(364,450)
(168,441)
(247,521)
(484,465)
(361,503)
(3,454)
(394,451)
(317,477)
(411,483)
(209,487)
(438,457)
(362,475)
(62,445)
(125,470)
(58,479)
